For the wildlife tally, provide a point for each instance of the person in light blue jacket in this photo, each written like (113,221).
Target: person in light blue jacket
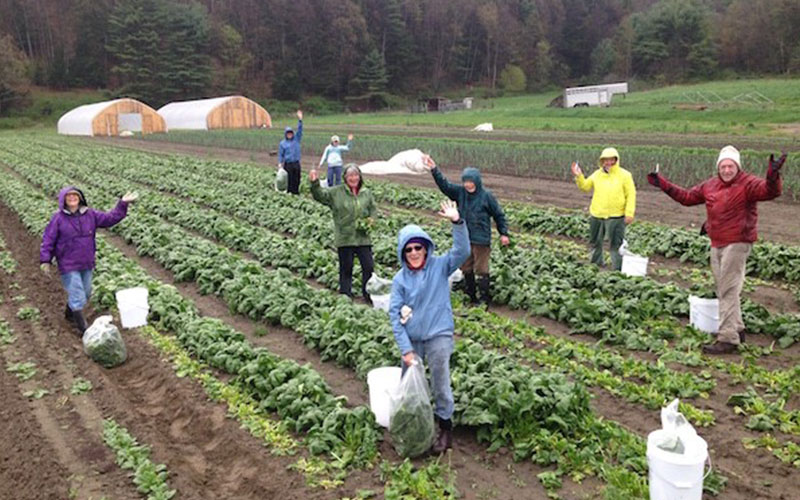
(333,155)
(421,313)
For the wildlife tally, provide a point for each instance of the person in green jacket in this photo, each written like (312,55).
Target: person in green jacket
(477,206)
(354,210)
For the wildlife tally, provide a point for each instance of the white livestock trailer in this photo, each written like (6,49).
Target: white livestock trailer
(593,95)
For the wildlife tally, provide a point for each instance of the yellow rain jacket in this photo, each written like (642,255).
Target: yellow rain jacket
(614,192)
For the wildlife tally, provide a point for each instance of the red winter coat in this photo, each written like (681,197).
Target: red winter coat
(730,206)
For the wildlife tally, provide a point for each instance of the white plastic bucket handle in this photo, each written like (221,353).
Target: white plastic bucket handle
(685,485)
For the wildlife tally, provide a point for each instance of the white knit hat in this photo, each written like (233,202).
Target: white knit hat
(334,138)
(729,153)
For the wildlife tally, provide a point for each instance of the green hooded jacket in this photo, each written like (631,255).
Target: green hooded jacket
(350,212)
(477,208)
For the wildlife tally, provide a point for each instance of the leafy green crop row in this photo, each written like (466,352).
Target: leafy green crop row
(517,425)
(275,250)
(686,166)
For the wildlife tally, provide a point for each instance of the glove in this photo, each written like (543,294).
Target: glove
(130,197)
(776,165)
(45,268)
(652,178)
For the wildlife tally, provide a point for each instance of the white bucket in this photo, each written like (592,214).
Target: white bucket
(634,265)
(704,314)
(133,307)
(383,383)
(381,301)
(676,476)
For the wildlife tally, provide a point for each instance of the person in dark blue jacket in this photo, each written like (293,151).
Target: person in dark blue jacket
(421,313)
(477,206)
(289,154)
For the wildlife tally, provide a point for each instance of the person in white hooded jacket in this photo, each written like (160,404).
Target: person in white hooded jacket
(333,155)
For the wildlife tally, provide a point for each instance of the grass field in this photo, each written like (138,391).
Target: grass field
(48,106)
(647,112)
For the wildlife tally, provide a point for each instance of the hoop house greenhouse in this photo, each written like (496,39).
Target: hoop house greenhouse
(216,113)
(110,118)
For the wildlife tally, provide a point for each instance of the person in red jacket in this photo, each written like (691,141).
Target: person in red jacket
(730,197)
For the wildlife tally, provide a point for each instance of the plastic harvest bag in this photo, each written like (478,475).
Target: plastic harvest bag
(378,286)
(677,430)
(411,415)
(103,343)
(281,180)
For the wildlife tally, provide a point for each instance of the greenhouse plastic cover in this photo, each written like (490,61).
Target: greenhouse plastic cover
(78,121)
(190,115)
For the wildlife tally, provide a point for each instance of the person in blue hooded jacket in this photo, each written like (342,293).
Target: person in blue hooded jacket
(289,154)
(478,207)
(421,313)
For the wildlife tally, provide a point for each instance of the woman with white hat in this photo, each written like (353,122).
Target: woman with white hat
(730,197)
(333,155)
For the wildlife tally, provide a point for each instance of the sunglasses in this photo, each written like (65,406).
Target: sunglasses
(414,248)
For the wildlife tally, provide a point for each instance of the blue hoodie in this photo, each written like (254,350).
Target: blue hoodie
(289,149)
(426,291)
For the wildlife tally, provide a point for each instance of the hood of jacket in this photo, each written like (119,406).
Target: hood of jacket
(286,133)
(413,231)
(62,195)
(473,175)
(608,153)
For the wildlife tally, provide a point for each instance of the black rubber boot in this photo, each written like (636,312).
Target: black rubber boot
(445,440)
(80,321)
(68,315)
(469,287)
(484,290)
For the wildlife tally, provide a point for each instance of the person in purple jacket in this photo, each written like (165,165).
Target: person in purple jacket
(69,237)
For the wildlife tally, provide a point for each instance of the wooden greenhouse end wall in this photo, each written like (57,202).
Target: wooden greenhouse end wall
(238,112)
(107,122)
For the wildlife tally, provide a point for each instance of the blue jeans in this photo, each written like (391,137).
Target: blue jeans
(436,352)
(334,176)
(78,285)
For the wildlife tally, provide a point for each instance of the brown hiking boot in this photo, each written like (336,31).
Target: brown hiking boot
(445,440)
(720,348)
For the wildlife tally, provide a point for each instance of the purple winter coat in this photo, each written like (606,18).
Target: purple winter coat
(70,237)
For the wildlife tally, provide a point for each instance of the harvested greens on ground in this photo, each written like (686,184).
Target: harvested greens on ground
(103,343)
(411,417)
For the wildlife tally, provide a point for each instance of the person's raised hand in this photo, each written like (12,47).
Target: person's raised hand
(576,169)
(130,197)
(652,177)
(775,165)
(449,210)
(349,137)
(299,114)
(428,162)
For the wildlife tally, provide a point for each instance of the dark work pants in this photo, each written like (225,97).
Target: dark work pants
(293,169)
(346,255)
(614,227)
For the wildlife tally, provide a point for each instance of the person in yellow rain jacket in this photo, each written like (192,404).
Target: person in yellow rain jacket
(613,204)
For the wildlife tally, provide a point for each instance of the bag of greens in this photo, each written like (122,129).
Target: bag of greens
(411,416)
(103,343)
(378,286)
(282,180)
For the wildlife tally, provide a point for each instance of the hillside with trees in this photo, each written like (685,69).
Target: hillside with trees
(372,50)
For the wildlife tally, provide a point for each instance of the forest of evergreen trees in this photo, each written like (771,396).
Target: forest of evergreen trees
(162,50)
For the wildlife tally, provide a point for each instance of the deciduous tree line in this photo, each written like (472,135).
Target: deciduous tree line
(162,50)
